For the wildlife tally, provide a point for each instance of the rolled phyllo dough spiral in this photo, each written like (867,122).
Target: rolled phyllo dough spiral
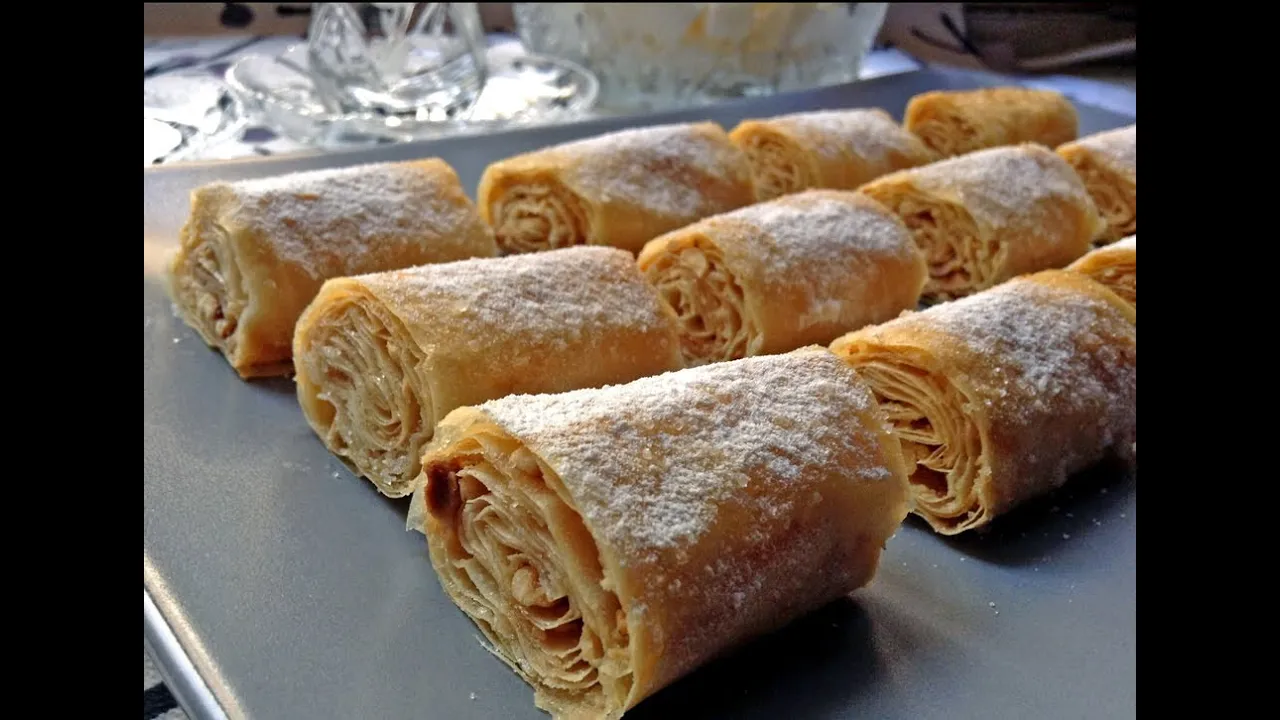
(783,274)
(985,217)
(382,358)
(1115,265)
(254,253)
(1000,396)
(837,149)
(607,542)
(1108,164)
(620,189)
(957,122)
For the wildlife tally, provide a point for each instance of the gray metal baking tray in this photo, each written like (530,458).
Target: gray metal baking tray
(277,585)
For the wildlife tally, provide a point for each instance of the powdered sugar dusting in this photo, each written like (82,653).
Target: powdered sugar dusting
(665,169)
(1043,338)
(564,295)
(1003,182)
(1118,147)
(320,220)
(870,133)
(827,225)
(842,260)
(651,463)
(838,240)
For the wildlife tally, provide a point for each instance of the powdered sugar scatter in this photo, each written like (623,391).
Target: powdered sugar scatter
(1046,338)
(1118,147)
(999,183)
(664,168)
(651,463)
(869,133)
(829,243)
(313,219)
(571,293)
(817,221)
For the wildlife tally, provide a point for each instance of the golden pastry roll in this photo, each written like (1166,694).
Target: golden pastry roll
(955,122)
(620,189)
(382,358)
(999,397)
(985,217)
(254,253)
(773,277)
(837,149)
(1114,265)
(607,542)
(1108,164)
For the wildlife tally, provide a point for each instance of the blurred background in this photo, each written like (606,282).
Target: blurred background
(226,80)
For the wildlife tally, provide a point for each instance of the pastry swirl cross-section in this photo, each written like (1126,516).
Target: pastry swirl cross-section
(609,541)
(382,358)
(999,397)
(783,274)
(620,189)
(985,217)
(254,253)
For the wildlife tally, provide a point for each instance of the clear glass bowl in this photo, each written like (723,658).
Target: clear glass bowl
(521,89)
(663,55)
(185,112)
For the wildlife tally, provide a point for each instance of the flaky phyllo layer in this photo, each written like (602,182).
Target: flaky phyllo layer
(691,276)
(1002,396)
(1115,195)
(777,166)
(1115,266)
(958,122)
(961,257)
(372,411)
(947,133)
(515,555)
(942,445)
(532,215)
(206,284)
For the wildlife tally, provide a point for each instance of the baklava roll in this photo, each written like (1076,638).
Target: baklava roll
(957,122)
(999,397)
(1115,265)
(985,217)
(837,149)
(794,271)
(382,358)
(254,253)
(1108,164)
(607,542)
(621,189)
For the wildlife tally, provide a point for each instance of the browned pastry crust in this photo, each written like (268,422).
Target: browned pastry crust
(783,274)
(621,189)
(837,149)
(382,358)
(985,217)
(999,397)
(607,542)
(959,122)
(1108,164)
(254,253)
(1115,265)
